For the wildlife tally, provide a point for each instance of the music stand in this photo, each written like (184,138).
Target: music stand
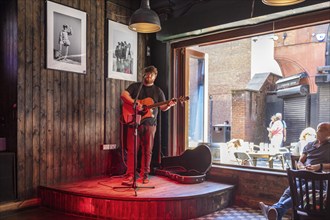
(136,125)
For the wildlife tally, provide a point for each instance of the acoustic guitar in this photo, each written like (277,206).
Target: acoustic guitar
(147,111)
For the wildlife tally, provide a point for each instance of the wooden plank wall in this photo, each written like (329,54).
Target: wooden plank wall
(114,130)
(63,116)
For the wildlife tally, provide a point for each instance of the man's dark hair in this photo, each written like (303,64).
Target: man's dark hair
(149,69)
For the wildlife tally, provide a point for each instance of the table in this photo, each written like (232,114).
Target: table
(262,154)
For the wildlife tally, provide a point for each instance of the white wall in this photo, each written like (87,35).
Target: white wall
(262,55)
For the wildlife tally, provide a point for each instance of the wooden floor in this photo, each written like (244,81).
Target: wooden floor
(167,200)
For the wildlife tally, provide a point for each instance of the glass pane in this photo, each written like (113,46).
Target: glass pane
(196,101)
(242,80)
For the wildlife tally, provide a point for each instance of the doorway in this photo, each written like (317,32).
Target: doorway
(196,75)
(191,119)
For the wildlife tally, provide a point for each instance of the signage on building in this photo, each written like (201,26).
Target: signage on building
(290,81)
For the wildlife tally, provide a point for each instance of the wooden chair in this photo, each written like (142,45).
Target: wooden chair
(243,158)
(310,200)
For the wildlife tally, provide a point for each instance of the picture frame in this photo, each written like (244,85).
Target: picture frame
(122,52)
(66,38)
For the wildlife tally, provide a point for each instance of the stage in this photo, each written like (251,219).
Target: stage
(99,198)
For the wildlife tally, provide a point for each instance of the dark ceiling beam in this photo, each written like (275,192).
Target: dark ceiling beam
(285,24)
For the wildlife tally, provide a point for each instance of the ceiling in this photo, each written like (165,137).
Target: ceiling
(170,9)
(192,17)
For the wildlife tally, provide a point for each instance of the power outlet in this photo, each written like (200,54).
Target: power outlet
(109,146)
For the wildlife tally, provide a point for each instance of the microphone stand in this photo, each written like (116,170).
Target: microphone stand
(136,125)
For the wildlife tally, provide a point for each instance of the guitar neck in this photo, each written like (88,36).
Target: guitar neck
(158,104)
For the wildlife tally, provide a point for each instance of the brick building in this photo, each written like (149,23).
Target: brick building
(230,73)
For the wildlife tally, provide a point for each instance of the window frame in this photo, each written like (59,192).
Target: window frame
(177,67)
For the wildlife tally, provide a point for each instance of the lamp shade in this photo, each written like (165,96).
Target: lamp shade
(281,2)
(144,20)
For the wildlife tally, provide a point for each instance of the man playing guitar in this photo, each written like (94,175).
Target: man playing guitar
(147,128)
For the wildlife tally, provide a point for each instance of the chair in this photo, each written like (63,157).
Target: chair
(243,158)
(310,200)
(287,158)
(282,155)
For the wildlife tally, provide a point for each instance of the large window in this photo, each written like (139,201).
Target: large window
(241,88)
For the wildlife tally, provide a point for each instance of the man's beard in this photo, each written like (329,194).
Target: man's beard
(148,80)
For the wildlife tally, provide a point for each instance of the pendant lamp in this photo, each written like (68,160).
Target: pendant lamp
(281,2)
(144,20)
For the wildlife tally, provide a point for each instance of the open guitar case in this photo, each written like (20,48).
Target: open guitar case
(190,167)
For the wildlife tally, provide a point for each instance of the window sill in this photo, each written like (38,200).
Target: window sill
(218,167)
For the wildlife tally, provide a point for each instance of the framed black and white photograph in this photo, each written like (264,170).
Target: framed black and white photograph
(66,38)
(122,52)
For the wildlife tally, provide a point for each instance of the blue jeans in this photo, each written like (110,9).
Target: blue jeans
(284,204)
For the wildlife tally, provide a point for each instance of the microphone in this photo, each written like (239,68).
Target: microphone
(145,75)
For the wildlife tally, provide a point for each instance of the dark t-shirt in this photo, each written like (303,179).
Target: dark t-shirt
(317,155)
(153,92)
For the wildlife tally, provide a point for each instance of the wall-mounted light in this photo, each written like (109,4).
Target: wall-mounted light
(144,20)
(281,2)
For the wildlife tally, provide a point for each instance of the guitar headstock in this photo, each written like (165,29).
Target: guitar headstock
(183,99)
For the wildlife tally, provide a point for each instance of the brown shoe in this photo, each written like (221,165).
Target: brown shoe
(145,179)
(264,209)
(272,214)
(128,181)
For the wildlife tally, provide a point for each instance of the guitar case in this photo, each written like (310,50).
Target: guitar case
(190,167)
